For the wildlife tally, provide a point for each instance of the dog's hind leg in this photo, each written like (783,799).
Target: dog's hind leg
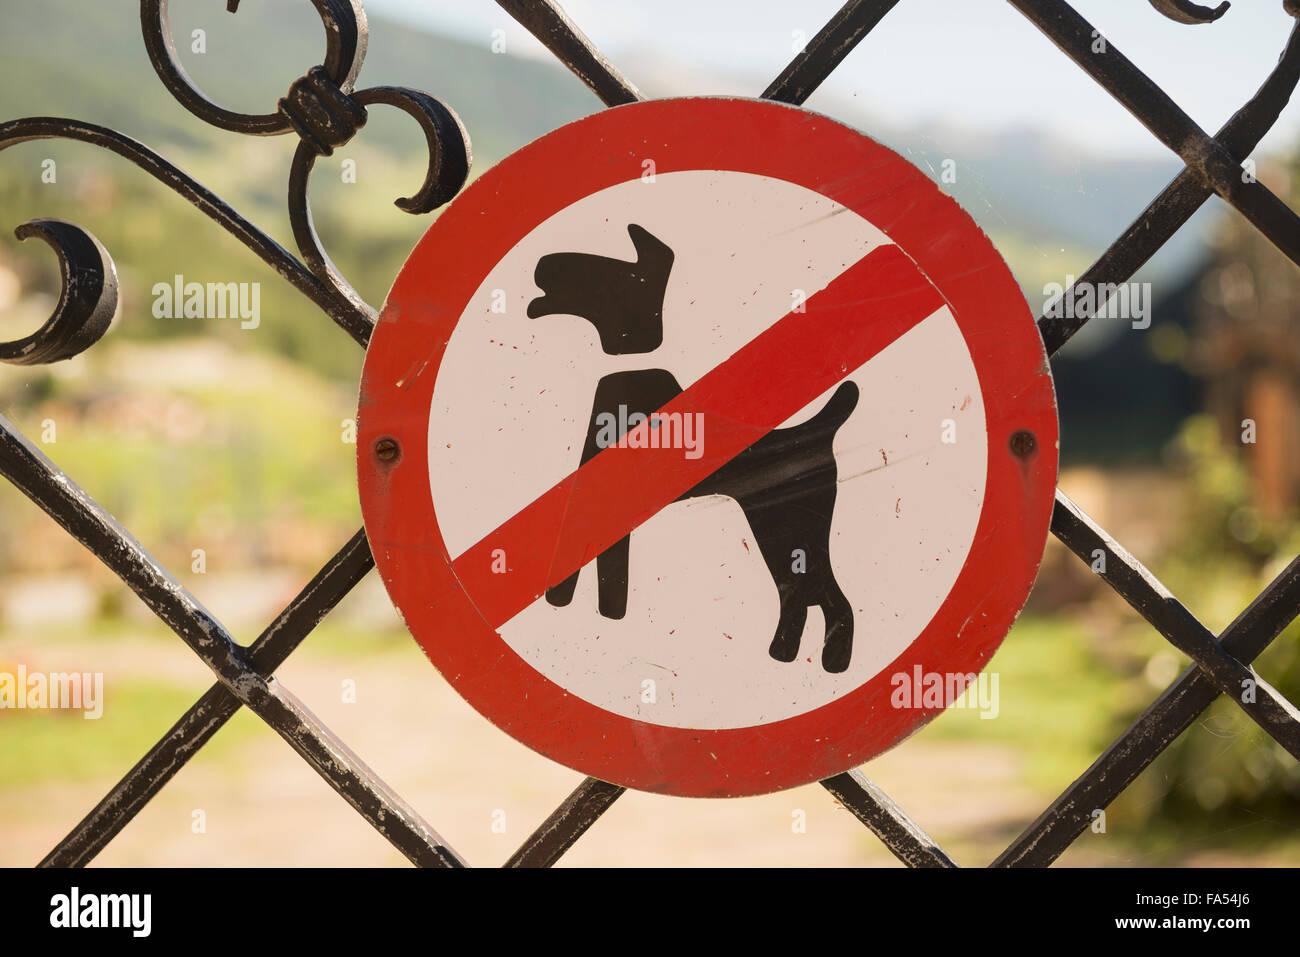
(838,612)
(789,628)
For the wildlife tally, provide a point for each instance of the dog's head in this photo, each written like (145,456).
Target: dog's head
(623,300)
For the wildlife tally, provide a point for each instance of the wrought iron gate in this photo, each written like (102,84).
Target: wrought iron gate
(325,110)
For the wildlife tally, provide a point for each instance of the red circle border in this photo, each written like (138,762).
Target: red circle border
(485,222)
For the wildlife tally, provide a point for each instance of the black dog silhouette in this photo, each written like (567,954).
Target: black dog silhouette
(784,483)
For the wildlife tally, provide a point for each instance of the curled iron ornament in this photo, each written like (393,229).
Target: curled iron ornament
(346,33)
(449,162)
(87,295)
(325,112)
(320,107)
(1185,11)
(267,249)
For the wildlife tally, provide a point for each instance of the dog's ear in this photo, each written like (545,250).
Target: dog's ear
(653,256)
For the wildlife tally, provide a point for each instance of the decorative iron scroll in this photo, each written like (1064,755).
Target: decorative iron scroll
(326,112)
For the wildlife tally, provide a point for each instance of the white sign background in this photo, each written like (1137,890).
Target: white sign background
(509,415)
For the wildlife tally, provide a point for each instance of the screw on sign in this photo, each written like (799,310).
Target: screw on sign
(673,476)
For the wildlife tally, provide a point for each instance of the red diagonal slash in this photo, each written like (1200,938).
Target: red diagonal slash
(779,372)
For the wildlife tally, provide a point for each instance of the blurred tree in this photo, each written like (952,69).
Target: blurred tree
(1242,459)
(1246,347)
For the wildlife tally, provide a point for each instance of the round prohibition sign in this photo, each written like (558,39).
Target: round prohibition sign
(762,374)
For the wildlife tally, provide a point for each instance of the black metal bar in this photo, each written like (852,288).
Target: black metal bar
(340,574)
(1142,97)
(874,808)
(1181,198)
(547,21)
(85,520)
(1154,602)
(1277,221)
(1169,716)
(566,824)
(827,50)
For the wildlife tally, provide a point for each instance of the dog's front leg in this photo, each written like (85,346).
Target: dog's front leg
(619,396)
(611,581)
(611,578)
(561,594)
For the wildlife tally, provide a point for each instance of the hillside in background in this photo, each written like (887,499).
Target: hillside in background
(1049,207)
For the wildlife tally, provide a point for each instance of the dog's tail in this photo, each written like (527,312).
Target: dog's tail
(837,409)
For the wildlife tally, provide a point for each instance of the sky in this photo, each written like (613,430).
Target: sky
(966,63)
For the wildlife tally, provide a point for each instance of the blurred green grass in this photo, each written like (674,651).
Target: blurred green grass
(50,746)
(254,471)
(1056,702)
(37,747)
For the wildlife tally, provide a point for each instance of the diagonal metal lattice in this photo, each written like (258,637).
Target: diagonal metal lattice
(325,111)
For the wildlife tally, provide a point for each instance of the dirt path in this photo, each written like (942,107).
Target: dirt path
(262,805)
